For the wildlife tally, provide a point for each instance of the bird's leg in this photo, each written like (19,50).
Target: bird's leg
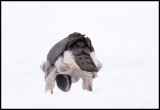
(87,84)
(49,86)
(50,81)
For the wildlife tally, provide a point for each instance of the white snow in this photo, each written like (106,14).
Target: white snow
(125,38)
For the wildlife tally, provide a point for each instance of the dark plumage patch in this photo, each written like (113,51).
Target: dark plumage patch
(63,82)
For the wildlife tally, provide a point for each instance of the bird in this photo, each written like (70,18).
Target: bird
(69,60)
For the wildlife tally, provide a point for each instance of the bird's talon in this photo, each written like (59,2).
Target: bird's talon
(52,91)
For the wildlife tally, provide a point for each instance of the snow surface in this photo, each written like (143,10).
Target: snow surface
(125,38)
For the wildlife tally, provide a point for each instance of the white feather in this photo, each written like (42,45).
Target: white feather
(96,61)
(69,59)
(66,63)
